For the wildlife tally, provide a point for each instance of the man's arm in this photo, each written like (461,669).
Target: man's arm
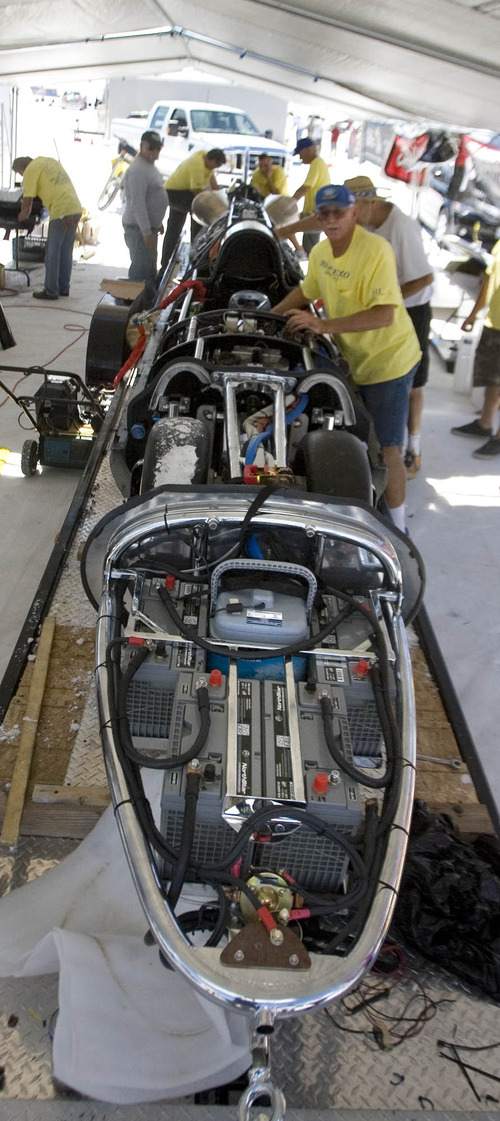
(480,303)
(300,192)
(372,319)
(293,299)
(303,225)
(413,286)
(25,211)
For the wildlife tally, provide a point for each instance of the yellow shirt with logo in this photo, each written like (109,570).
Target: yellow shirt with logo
(190,175)
(317,176)
(278,180)
(492,319)
(47,179)
(364,277)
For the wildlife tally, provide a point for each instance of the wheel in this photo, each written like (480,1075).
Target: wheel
(335,463)
(110,191)
(177,451)
(29,457)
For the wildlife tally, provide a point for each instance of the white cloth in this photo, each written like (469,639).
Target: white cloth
(129,1030)
(405,236)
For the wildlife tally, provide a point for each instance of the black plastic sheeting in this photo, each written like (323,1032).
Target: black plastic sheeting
(449,901)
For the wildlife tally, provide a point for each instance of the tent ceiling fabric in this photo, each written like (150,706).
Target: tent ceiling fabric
(436,60)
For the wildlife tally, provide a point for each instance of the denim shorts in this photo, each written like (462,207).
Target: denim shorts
(388,403)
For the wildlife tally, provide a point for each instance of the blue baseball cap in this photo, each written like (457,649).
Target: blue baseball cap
(306,142)
(334,195)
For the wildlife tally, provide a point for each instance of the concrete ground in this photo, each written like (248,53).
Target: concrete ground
(451,503)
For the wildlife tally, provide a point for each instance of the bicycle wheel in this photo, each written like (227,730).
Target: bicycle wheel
(110,190)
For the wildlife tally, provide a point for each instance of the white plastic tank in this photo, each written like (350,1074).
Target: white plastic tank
(464,362)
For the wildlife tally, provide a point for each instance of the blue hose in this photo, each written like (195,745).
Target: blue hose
(254,443)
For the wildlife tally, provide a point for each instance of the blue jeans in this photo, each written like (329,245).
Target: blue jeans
(142,260)
(59,254)
(388,404)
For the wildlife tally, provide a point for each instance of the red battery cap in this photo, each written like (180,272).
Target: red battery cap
(362,667)
(320,784)
(215,677)
(170,582)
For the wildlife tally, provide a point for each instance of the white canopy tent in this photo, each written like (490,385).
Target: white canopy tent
(436,61)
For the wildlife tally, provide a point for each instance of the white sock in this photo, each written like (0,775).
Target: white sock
(414,444)
(398,516)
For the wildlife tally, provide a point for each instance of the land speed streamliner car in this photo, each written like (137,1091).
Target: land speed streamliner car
(253,673)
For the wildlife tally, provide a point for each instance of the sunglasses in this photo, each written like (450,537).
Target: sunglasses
(325,212)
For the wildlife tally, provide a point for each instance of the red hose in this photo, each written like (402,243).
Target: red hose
(199,291)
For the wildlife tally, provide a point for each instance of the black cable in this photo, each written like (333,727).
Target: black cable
(337,754)
(159,762)
(193,780)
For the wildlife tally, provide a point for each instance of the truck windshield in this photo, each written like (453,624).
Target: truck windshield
(221,120)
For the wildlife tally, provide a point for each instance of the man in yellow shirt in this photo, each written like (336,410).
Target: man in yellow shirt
(269,178)
(318,176)
(47,179)
(487,361)
(354,273)
(191,176)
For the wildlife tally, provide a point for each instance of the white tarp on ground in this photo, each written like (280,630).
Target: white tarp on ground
(438,61)
(128,1029)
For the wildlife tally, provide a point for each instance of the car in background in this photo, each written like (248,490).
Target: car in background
(474,217)
(73,100)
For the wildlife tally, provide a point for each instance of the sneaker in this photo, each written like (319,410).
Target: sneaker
(489,449)
(412,464)
(43,295)
(473,429)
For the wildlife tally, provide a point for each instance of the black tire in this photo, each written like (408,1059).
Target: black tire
(162,462)
(335,463)
(109,191)
(29,457)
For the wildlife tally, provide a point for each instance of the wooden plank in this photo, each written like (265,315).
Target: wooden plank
(58,821)
(96,796)
(469,818)
(17,794)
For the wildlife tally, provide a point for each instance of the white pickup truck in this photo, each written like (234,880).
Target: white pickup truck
(188,126)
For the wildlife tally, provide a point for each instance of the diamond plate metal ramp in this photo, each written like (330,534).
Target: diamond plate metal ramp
(174,1111)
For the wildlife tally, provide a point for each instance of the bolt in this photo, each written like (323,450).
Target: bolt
(213,523)
(201,683)
(195,765)
(239,955)
(310,532)
(334,778)
(284,915)
(293,959)
(279,827)
(277,937)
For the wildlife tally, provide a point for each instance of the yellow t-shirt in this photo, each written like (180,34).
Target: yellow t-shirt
(47,178)
(190,175)
(492,319)
(364,277)
(317,176)
(278,179)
